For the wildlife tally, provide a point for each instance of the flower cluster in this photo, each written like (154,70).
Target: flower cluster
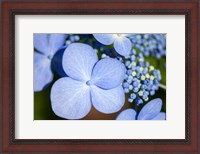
(141,79)
(71,38)
(150,44)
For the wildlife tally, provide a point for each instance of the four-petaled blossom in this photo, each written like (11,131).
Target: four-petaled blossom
(122,44)
(46,45)
(151,111)
(89,82)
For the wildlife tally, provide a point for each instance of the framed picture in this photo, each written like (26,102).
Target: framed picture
(115,76)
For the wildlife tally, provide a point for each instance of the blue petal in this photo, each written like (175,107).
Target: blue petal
(150,110)
(160,116)
(123,46)
(128,114)
(56,41)
(41,42)
(105,39)
(42,71)
(70,99)
(79,60)
(108,73)
(49,43)
(107,101)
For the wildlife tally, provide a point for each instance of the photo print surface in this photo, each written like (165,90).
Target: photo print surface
(99,76)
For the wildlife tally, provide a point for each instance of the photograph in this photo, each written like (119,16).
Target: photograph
(99,76)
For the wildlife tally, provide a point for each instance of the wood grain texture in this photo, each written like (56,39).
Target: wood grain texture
(115,7)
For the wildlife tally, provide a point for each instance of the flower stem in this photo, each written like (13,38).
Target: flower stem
(162,86)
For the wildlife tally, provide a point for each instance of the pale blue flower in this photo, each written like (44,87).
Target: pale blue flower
(122,44)
(90,82)
(46,45)
(151,111)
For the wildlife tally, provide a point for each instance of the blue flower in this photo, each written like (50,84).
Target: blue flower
(151,111)
(89,82)
(122,44)
(46,45)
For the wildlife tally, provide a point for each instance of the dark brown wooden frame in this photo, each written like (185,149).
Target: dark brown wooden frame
(10,8)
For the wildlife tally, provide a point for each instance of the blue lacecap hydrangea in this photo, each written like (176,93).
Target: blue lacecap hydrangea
(150,44)
(141,79)
(84,81)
